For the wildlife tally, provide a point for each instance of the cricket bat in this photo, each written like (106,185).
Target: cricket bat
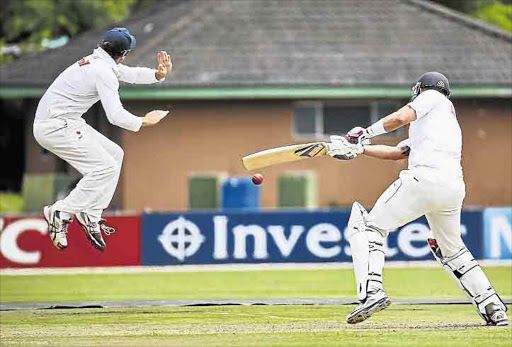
(284,154)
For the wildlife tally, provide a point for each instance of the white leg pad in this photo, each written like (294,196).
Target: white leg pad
(377,258)
(367,246)
(359,247)
(468,274)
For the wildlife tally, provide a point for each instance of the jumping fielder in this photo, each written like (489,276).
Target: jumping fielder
(432,185)
(60,128)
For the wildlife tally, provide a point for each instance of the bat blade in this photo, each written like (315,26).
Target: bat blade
(284,154)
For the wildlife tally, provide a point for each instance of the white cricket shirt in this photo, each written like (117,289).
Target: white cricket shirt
(435,137)
(95,77)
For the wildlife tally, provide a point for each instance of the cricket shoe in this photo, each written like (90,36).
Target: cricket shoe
(496,315)
(375,302)
(57,226)
(92,231)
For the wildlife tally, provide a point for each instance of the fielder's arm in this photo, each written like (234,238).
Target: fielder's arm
(387,152)
(153,117)
(107,86)
(164,66)
(144,75)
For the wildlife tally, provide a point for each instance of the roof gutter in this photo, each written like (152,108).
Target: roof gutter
(269,92)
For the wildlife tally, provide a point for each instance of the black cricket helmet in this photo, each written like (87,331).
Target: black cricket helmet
(432,80)
(117,41)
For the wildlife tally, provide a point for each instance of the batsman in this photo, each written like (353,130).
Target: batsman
(432,186)
(60,128)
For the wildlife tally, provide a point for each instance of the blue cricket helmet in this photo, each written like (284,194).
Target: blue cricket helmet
(118,41)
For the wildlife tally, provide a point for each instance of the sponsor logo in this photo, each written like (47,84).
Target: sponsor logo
(9,236)
(262,237)
(83,62)
(24,242)
(181,238)
(322,240)
(498,233)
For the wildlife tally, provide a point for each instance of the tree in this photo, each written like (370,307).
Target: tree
(28,22)
(33,20)
(495,12)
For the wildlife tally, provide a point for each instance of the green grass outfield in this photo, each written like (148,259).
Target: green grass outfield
(286,325)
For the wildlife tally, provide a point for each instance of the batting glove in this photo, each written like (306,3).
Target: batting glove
(358,136)
(339,148)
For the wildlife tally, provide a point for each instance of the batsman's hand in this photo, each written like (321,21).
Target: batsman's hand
(164,65)
(340,148)
(358,136)
(153,117)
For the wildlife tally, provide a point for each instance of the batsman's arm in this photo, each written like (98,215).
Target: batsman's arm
(393,121)
(387,152)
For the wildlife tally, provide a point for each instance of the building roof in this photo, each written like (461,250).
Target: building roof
(296,43)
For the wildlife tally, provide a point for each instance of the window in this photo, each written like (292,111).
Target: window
(305,119)
(318,120)
(339,119)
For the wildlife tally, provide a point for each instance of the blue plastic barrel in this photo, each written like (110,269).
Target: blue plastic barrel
(240,193)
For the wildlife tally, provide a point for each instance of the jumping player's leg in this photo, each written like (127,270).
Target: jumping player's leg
(74,142)
(401,203)
(100,171)
(117,154)
(90,218)
(449,250)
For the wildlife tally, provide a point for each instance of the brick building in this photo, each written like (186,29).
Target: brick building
(255,74)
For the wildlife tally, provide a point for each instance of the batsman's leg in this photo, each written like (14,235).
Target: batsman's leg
(367,233)
(367,247)
(450,251)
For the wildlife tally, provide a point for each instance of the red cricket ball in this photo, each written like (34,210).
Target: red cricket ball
(257,179)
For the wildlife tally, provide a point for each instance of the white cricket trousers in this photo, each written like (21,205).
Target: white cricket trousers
(419,192)
(96,157)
